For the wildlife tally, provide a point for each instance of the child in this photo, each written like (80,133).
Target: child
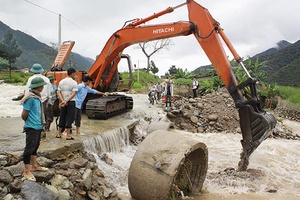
(33,116)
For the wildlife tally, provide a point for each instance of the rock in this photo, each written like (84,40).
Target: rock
(61,182)
(63,195)
(3,160)
(107,159)
(194,119)
(8,197)
(16,170)
(5,177)
(79,163)
(87,179)
(32,191)
(15,186)
(171,115)
(213,118)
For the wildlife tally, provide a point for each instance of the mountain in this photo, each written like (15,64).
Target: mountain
(282,61)
(35,51)
(279,46)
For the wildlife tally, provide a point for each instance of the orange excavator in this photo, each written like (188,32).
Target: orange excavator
(256,124)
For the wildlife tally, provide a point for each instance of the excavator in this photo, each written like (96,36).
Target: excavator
(256,124)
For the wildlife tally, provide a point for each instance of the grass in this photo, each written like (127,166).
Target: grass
(291,95)
(17,78)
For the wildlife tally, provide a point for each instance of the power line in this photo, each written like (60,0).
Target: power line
(41,7)
(62,17)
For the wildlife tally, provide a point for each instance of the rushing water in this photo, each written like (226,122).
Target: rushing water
(274,169)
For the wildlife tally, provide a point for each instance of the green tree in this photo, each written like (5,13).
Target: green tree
(173,70)
(182,74)
(153,67)
(9,50)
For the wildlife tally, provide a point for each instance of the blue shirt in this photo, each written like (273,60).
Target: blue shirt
(53,91)
(81,94)
(34,119)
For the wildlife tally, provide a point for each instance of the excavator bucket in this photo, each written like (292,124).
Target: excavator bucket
(256,124)
(256,127)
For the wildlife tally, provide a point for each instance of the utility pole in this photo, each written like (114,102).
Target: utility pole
(59,31)
(138,71)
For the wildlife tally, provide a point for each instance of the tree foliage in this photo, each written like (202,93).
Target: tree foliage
(172,70)
(9,49)
(153,67)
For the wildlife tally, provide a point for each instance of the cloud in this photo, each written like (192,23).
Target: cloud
(251,25)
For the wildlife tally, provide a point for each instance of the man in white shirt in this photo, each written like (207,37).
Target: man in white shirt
(66,92)
(195,87)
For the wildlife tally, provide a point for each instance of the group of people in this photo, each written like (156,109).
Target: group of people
(161,90)
(40,95)
(167,90)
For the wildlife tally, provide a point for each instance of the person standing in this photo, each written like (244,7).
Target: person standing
(168,93)
(83,90)
(195,86)
(33,116)
(152,93)
(159,90)
(37,69)
(66,91)
(51,100)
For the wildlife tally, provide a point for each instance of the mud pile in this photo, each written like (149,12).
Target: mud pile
(216,112)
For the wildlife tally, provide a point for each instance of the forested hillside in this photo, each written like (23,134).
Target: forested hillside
(35,51)
(282,64)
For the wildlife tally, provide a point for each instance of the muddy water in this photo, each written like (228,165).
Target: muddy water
(274,166)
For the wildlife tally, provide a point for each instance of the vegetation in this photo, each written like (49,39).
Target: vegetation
(290,94)
(9,50)
(282,64)
(18,78)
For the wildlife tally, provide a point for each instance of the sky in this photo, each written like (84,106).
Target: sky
(252,26)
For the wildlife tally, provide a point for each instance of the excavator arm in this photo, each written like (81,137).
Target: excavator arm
(255,123)
(62,55)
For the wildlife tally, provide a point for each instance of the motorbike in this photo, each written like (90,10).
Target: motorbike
(152,97)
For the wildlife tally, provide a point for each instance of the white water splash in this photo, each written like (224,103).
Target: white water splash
(8,107)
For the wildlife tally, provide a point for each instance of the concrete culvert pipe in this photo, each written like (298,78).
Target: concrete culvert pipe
(166,165)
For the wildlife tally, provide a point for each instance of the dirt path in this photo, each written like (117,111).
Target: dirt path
(293,125)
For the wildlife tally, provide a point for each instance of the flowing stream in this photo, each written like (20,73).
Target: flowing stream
(273,172)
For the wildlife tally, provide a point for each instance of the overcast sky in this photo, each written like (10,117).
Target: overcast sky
(252,26)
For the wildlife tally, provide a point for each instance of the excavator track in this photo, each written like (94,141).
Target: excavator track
(105,107)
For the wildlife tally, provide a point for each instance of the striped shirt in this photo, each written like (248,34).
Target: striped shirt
(66,87)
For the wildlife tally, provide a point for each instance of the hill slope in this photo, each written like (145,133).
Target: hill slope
(35,51)
(283,64)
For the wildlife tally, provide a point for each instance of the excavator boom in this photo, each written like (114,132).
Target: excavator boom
(255,123)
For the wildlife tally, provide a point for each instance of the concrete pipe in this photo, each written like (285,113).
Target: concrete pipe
(166,165)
